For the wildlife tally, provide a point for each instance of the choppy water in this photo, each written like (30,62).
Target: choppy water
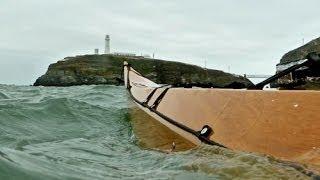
(86,133)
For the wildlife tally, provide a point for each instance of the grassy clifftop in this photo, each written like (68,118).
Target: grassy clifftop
(301,52)
(107,69)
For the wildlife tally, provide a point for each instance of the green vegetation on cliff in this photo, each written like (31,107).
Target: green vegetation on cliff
(303,78)
(301,52)
(107,69)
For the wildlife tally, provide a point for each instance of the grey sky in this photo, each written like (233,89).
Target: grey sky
(250,36)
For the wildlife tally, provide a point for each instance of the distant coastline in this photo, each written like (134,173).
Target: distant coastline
(107,69)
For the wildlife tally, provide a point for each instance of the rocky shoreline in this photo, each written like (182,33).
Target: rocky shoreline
(107,69)
(303,78)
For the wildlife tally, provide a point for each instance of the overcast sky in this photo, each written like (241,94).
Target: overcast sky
(249,36)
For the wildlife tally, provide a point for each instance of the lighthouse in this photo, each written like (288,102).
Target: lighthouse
(107,45)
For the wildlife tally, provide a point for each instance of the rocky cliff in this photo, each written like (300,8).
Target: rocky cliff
(307,78)
(301,52)
(107,69)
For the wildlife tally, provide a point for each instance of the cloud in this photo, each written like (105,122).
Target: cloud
(249,36)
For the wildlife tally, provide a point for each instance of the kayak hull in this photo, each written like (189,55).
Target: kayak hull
(284,124)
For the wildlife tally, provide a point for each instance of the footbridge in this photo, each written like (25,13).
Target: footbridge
(257,76)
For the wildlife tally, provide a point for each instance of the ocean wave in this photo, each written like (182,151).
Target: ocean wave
(3,96)
(86,132)
(225,163)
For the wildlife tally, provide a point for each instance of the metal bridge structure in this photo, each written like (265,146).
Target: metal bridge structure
(257,76)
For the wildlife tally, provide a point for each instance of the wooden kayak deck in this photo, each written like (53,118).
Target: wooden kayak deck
(284,124)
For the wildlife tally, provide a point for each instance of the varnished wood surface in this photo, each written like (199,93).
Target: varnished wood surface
(284,124)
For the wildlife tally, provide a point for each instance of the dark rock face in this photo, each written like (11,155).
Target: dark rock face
(107,69)
(301,52)
(303,78)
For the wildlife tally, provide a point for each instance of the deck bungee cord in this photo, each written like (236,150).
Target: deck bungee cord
(145,103)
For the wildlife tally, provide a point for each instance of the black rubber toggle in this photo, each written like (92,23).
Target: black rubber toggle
(206,131)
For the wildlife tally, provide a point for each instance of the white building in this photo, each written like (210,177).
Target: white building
(123,54)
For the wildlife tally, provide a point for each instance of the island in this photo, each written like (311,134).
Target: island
(107,69)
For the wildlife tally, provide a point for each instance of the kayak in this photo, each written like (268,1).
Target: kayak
(281,123)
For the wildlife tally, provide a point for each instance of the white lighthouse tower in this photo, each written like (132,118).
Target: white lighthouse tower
(107,45)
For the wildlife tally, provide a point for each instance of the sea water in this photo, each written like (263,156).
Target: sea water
(95,132)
